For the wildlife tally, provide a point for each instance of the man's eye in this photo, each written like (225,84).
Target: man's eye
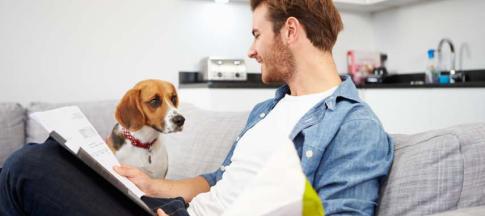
(155,103)
(174,100)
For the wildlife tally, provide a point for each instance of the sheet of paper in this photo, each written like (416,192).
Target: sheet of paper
(74,127)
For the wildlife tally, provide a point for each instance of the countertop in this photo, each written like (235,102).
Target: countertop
(427,85)
(254,82)
(259,85)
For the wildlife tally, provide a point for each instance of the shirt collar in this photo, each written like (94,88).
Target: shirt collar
(346,90)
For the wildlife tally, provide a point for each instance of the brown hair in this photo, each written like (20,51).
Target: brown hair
(319,18)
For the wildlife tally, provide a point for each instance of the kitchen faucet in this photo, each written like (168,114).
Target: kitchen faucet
(453,75)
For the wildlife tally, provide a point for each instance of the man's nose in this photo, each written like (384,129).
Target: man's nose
(252,53)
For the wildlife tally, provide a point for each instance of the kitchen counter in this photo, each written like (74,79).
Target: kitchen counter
(433,85)
(402,108)
(254,82)
(259,85)
(229,85)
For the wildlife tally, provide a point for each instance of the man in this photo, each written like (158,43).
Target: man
(343,149)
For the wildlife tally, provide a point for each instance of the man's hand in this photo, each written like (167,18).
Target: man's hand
(161,213)
(139,178)
(163,188)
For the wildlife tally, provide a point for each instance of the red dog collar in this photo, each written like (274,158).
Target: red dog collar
(136,142)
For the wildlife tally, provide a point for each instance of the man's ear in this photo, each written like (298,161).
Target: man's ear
(291,30)
(128,112)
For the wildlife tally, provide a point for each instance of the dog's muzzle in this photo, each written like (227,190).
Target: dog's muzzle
(178,120)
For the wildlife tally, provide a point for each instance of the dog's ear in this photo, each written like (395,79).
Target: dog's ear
(175,99)
(129,112)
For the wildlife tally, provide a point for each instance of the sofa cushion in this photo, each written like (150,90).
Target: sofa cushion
(426,175)
(474,211)
(12,130)
(204,142)
(100,114)
(472,140)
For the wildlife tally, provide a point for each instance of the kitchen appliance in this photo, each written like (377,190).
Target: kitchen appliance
(361,64)
(379,73)
(223,69)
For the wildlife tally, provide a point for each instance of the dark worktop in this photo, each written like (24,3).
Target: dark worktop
(250,85)
(254,82)
(427,85)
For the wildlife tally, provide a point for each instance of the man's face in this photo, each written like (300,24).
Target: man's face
(277,61)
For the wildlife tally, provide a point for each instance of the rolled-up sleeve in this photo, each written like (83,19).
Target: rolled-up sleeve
(352,167)
(213,177)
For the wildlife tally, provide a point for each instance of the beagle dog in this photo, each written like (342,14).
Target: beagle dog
(145,111)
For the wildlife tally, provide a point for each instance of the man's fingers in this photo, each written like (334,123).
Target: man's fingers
(125,170)
(161,213)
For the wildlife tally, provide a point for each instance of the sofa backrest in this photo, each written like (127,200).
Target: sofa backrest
(100,114)
(472,142)
(436,171)
(204,143)
(12,129)
(199,148)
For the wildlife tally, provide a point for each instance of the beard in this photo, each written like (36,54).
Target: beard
(279,63)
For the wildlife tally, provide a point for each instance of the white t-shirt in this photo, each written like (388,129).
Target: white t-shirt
(252,151)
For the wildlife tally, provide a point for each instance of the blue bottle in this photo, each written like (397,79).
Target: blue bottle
(431,72)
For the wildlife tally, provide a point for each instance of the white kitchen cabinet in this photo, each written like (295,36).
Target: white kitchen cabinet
(235,100)
(401,110)
(417,110)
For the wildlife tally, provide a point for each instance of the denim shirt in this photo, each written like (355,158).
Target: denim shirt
(344,151)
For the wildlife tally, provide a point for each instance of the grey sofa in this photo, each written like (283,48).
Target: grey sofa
(435,172)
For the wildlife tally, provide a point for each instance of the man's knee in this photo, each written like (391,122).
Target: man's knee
(21,180)
(18,159)
(29,156)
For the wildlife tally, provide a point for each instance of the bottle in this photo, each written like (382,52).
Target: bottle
(431,70)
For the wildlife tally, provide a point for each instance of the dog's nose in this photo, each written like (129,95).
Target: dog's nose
(178,120)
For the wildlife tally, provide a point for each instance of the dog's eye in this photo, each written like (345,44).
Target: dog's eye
(174,99)
(155,103)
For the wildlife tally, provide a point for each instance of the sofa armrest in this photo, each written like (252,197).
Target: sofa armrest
(472,211)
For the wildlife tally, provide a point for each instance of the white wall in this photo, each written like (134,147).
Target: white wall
(56,50)
(358,34)
(80,50)
(406,33)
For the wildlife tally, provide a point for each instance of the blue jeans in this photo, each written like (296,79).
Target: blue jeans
(46,179)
